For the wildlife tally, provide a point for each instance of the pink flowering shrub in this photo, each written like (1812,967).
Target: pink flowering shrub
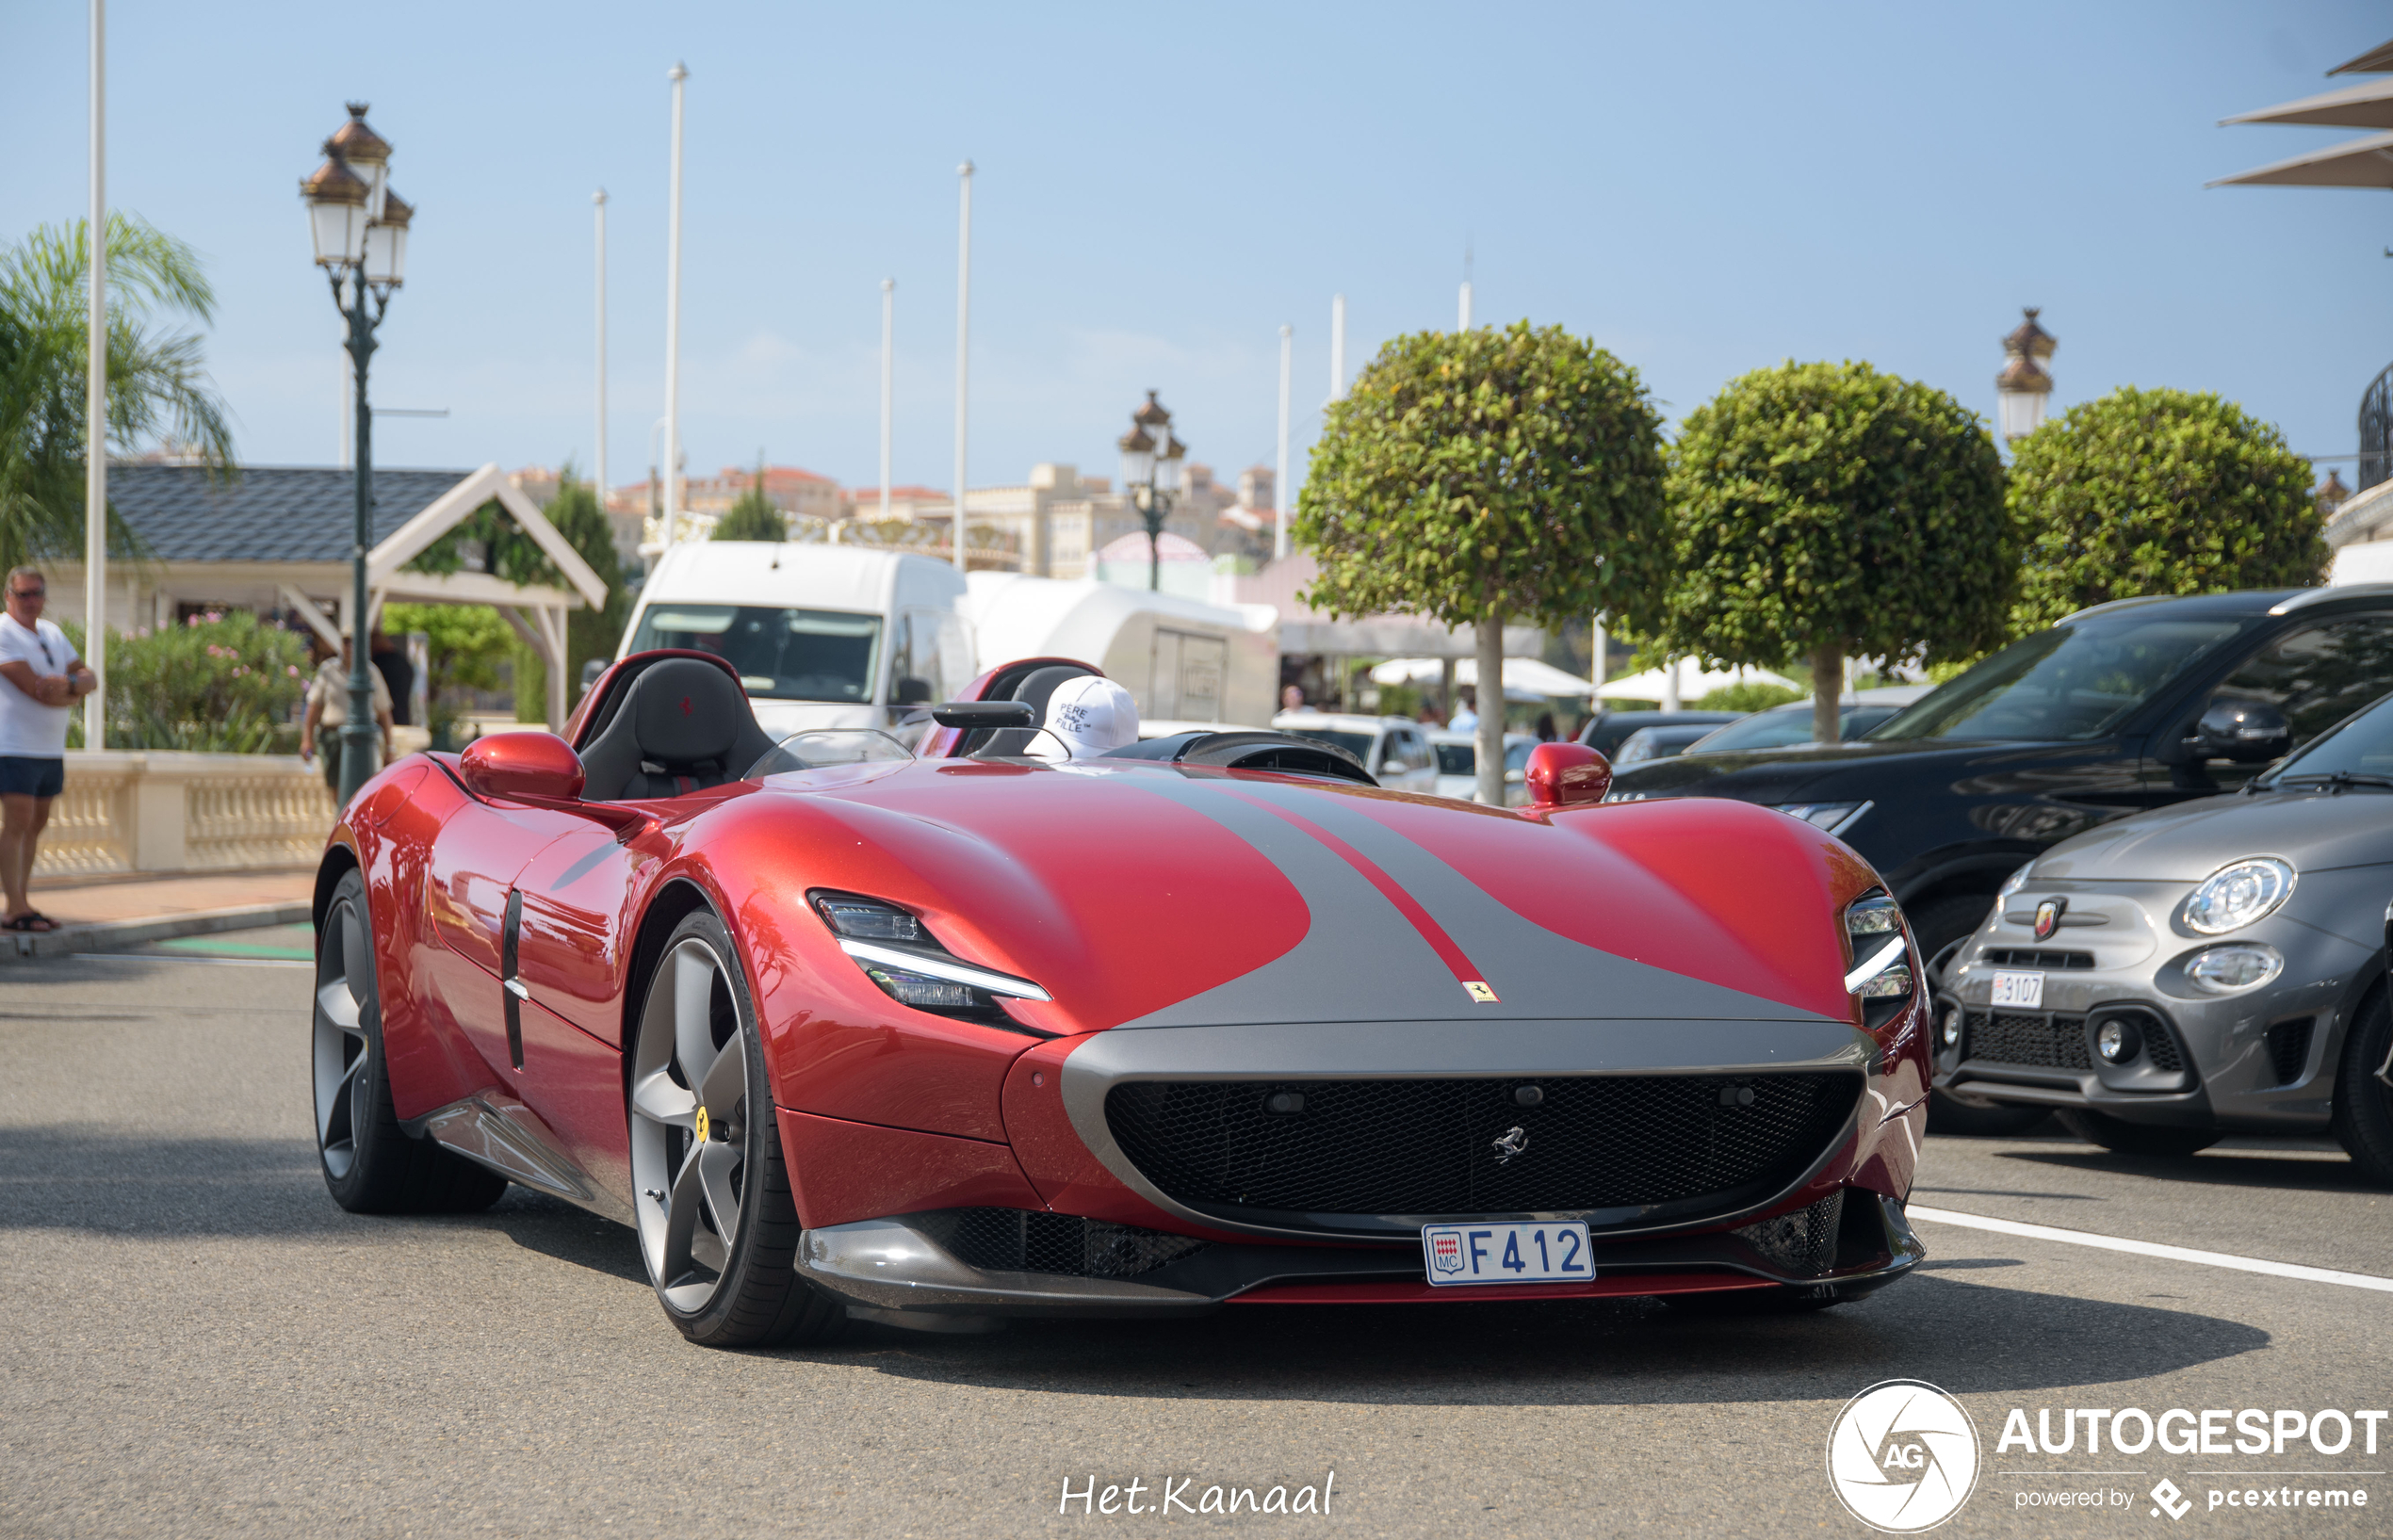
(221,682)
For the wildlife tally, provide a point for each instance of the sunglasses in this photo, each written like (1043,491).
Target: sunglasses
(29,592)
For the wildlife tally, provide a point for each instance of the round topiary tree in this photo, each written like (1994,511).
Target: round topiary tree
(1489,476)
(1827,510)
(2159,492)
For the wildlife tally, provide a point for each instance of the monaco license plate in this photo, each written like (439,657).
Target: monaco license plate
(1506,1253)
(2025,990)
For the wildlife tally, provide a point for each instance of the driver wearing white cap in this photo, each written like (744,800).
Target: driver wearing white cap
(1088,714)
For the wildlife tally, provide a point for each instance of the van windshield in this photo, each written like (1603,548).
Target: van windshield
(782,655)
(2075,682)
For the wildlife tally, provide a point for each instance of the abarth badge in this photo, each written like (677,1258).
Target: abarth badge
(2048,918)
(1515,1140)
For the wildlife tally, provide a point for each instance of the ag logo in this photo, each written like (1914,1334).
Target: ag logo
(1903,1456)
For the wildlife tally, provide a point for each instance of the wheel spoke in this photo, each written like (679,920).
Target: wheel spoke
(726,1081)
(716,1163)
(693,972)
(357,958)
(655,1097)
(681,1222)
(339,1006)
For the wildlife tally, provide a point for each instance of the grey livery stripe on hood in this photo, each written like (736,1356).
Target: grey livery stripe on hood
(1363,960)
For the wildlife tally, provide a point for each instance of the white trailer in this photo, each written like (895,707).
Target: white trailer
(1182,660)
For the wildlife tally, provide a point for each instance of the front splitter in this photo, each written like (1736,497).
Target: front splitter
(890,1270)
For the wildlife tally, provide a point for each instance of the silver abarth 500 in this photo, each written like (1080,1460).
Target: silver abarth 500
(2214,968)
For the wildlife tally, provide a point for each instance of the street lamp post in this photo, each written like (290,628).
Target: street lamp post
(2025,385)
(360,229)
(1151,475)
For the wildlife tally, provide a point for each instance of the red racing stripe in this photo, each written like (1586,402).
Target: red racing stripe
(1431,931)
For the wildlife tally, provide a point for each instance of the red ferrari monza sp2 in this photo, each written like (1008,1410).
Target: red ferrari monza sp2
(939,1038)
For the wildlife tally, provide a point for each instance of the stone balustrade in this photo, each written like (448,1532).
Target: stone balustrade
(161,811)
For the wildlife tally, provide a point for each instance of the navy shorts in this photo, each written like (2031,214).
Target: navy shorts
(28,775)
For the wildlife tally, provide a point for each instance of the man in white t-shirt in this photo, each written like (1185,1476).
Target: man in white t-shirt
(40,679)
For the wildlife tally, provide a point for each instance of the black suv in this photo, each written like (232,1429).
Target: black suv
(2116,709)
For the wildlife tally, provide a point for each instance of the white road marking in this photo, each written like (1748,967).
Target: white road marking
(2148,1248)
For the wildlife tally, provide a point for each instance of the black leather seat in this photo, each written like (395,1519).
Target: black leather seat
(686,725)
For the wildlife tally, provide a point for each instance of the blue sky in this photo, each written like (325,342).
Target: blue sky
(1703,190)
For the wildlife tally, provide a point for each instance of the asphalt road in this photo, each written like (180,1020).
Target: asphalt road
(196,1342)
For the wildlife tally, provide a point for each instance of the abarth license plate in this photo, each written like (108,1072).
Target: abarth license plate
(1506,1253)
(2025,990)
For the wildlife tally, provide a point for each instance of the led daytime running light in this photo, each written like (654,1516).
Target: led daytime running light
(957,973)
(1886,957)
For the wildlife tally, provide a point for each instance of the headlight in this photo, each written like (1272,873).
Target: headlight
(2240,895)
(1880,974)
(2014,883)
(2232,968)
(1834,817)
(899,953)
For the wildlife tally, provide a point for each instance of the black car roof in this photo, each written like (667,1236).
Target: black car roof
(2243,602)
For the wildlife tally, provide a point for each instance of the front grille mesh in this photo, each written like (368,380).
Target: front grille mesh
(2046,1041)
(2035,956)
(1802,1242)
(1425,1147)
(1024,1240)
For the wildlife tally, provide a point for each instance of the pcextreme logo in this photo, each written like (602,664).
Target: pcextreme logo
(1902,1456)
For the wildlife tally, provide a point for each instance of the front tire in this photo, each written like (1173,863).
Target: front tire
(2136,1137)
(2363,1103)
(718,1229)
(371,1163)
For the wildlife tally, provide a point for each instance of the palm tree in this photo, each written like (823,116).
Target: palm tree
(157,383)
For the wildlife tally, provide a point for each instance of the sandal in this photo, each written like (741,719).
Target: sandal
(33,920)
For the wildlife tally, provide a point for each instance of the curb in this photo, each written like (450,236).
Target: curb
(112,934)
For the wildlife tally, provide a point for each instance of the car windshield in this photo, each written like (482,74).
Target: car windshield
(1457,760)
(822,748)
(1357,744)
(2074,682)
(2360,747)
(782,655)
(1781,725)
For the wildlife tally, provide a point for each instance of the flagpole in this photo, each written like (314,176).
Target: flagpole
(95,407)
(963,344)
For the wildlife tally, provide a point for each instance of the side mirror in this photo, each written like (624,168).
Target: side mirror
(522,767)
(2243,732)
(911,691)
(1567,775)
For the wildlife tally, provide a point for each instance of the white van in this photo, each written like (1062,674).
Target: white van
(823,636)
(1184,662)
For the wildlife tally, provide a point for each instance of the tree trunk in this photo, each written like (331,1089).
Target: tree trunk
(1828,693)
(1489,748)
